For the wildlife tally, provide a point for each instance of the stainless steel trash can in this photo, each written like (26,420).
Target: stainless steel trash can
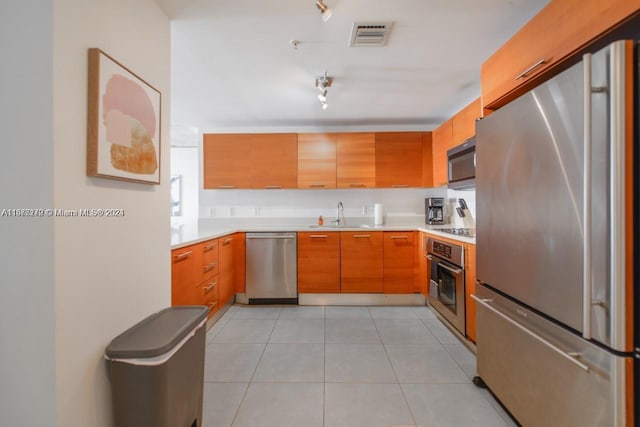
(156,370)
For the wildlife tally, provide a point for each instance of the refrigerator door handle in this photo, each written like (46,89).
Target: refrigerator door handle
(617,170)
(586,202)
(569,356)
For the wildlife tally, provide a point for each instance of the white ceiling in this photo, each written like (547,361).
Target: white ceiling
(233,68)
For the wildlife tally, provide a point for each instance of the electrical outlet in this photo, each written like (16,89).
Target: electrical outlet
(212,212)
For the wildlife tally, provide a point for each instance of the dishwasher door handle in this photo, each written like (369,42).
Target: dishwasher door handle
(271,237)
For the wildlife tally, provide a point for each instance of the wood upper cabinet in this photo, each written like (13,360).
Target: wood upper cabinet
(442,141)
(399,268)
(470,289)
(227,161)
(356,160)
(464,123)
(319,262)
(559,30)
(427,159)
(398,159)
(361,262)
(274,160)
(317,160)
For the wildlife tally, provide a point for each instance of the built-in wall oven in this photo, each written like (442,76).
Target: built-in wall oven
(446,281)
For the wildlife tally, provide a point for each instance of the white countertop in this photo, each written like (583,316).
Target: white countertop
(189,234)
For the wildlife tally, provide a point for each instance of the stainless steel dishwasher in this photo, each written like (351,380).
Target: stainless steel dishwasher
(272,272)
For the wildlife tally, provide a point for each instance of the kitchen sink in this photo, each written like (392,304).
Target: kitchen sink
(339,226)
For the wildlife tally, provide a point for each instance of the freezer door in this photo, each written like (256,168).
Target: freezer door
(529,182)
(545,375)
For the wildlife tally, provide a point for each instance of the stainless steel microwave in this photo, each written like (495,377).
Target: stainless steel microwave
(462,166)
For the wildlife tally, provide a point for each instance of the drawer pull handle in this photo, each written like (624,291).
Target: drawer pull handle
(183,256)
(225,242)
(212,304)
(208,268)
(226,187)
(569,356)
(211,286)
(316,185)
(209,247)
(399,237)
(530,69)
(356,184)
(318,236)
(400,186)
(361,236)
(272,187)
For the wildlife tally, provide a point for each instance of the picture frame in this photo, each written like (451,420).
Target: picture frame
(123,123)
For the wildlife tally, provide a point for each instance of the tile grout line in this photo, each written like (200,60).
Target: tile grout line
(406,402)
(244,395)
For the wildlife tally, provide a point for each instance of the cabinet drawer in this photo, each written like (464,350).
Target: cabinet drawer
(209,263)
(185,266)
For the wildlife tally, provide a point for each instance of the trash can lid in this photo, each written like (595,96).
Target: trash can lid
(157,334)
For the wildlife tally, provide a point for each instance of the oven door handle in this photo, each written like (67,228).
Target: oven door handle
(455,271)
(429,257)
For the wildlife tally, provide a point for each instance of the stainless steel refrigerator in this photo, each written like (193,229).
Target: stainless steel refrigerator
(556,181)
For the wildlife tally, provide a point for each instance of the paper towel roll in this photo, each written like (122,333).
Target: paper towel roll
(377,214)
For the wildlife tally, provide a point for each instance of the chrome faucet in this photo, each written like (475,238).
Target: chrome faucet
(340,215)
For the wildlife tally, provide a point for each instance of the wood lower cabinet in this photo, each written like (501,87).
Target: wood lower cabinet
(557,32)
(470,289)
(319,262)
(398,159)
(442,141)
(227,268)
(399,268)
(239,261)
(361,262)
(194,275)
(317,160)
(356,160)
(226,161)
(208,273)
(274,160)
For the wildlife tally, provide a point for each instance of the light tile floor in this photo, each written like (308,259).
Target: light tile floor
(341,367)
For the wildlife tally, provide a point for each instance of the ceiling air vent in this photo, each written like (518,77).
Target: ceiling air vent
(374,34)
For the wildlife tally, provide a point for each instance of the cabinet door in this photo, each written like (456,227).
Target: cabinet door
(464,123)
(356,160)
(427,159)
(239,261)
(226,275)
(399,273)
(470,288)
(317,160)
(319,262)
(559,30)
(442,141)
(398,159)
(226,161)
(274,160)
(361,262)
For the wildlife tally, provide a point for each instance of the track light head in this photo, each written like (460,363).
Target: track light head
(326,10)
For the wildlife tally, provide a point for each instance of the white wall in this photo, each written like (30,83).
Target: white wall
(109,272)
(184,162)
(27,348)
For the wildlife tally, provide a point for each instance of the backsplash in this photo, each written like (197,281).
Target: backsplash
(399,205)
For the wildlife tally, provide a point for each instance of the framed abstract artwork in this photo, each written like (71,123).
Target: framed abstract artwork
(123,132)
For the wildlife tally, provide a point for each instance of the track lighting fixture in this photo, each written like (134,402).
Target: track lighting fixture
(322,83)
(326,10)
